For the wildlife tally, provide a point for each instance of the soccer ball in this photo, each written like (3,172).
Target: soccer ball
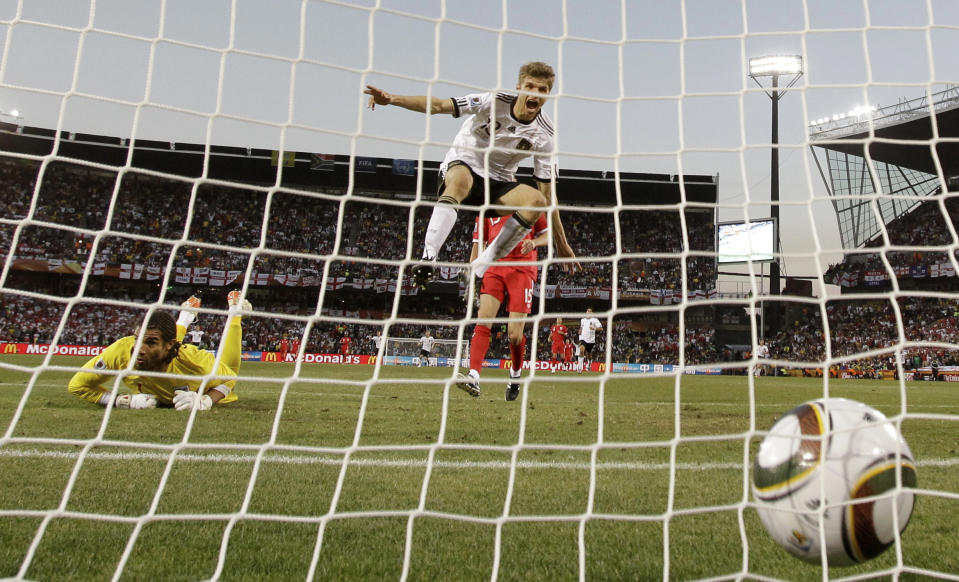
(846,457)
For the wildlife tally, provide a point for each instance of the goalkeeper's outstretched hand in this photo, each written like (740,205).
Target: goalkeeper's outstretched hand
(188,399)
(135,401)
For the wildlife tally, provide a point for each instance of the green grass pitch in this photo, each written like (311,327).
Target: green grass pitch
(338,475)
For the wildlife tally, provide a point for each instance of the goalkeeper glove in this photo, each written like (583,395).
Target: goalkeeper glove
(135,401)
(188,399)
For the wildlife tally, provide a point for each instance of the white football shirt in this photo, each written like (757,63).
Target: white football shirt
(491,114)
(427,343)
(587,329)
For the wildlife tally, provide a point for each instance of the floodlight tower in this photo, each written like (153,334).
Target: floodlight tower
(17,118)
(790,67)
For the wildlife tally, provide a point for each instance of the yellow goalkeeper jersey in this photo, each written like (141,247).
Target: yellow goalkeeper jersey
(190,365)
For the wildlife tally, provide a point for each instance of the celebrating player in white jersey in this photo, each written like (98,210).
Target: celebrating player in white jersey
(426,348)
(196,336)
(502,129)
(587,338)
(762,352)
(377,340)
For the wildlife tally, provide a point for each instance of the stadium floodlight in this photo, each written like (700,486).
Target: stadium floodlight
(774,67)
(16,118)
(14,114)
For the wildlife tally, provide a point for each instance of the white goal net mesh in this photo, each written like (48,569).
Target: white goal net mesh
(155,150)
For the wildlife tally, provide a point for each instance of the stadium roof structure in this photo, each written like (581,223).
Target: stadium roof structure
(336,174)
(908,143)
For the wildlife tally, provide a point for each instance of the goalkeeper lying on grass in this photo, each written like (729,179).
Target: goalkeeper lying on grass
(161,351)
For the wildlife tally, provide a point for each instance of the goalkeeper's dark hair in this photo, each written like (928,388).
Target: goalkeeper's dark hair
(164,323)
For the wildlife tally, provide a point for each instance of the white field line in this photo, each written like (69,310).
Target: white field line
(327,459)
(357,394)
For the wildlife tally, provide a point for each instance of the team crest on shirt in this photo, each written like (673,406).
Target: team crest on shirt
(474,101)
(100,365)
(524,145)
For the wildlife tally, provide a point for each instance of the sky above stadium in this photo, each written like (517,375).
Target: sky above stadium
(643,85)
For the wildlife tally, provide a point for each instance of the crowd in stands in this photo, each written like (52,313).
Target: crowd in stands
(306,224)
(225,229)
(859,326)
(855,327)
(926,225)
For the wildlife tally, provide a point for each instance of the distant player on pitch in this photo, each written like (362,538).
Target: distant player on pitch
(161,351)
(569,351)
(501,129)
(426,349)
(557,337)
(587,339)
(196,336)
(503,281)
(377,339)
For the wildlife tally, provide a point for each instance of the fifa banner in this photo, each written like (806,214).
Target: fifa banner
(654,296)
(879,277)
(314,278)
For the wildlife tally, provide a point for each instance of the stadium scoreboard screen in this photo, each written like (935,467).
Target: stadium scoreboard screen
(741,241)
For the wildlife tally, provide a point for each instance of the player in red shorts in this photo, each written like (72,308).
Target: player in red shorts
(557,335)
(568,352)
(345,342)
(504,282)
(295,346)
(284,348)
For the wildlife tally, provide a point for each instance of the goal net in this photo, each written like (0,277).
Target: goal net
(749,233)
(407,351)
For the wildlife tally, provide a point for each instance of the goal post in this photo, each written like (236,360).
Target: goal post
(407,351)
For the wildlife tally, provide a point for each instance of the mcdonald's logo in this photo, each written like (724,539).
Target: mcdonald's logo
(372,361)
(602,367)
(10,349)
(270,357)
(508,364)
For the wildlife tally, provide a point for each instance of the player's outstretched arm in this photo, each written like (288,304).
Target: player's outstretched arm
(216,389)
(420,103)
(89,383)
(563,248)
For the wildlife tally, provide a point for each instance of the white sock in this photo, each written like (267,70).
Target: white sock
(185,318)
(505,241)
(474,374)
(441,223)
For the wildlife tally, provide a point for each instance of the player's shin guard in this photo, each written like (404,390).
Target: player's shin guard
(518,353)
(514,230)
(441,223)
(479,345)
